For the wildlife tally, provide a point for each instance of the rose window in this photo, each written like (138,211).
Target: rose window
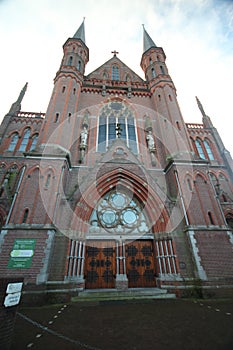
(118,212)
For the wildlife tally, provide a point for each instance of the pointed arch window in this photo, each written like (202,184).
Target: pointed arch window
(34,141)
(153,73)
(162,69)
(208,150)
(25,216)
(200,149)
(25,140)
(70,61)
(116,120)
(48,181)
(14,140)
(115,72)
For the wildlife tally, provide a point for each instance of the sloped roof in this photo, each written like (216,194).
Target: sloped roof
(124,70)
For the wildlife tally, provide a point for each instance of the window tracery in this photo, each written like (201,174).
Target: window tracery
(112,114)
(120,213)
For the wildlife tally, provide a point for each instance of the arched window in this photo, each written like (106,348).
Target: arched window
(162,70)
(200,149)
(229,220)
(178,124)
(56,118)
(105,75)
(116,121)
(189,184)
(25,140)
(70,61)
(25,216)
(79,65)
(208,150)
(115,73)
(13,143)
(210,218)
(34,141)
(153,73)
(48,180)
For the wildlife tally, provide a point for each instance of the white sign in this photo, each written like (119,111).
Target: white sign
(14,287)
(22,253)
(12,299)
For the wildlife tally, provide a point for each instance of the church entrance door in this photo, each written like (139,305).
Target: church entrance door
(100,264)
(140,264)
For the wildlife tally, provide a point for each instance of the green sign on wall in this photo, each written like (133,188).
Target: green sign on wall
(22,253)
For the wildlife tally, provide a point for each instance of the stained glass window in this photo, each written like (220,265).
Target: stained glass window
(118,212)
(116,120)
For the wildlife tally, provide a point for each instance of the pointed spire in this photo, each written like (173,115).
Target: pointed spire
(205,119)
(16,106)
(22,93)
(200,107)
(80,34)
(147,41)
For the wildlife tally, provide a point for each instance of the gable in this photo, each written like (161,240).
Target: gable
(122,72)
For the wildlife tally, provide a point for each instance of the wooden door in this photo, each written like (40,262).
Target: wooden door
(100,264)
(140,264)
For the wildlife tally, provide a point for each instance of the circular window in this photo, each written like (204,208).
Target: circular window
(109,217)
(118,200)
(129,216)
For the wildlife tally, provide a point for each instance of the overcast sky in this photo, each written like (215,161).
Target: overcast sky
(196,35)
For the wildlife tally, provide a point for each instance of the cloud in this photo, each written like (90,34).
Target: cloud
(196,35)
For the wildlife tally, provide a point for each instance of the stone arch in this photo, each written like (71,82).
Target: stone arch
(153,201)
(229,219)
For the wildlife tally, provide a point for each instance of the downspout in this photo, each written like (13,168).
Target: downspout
(15,195)
(181,198)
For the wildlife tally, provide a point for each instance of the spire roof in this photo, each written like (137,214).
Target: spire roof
(147,41)
(80,34)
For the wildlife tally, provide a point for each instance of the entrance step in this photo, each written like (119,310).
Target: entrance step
(130,294)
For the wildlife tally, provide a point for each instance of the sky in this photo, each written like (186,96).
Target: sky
(196,35)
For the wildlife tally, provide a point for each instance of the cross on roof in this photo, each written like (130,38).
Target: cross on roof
(114,52)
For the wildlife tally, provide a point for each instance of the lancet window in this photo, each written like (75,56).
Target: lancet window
(116,121)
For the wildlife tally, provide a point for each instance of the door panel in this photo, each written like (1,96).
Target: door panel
(100,264)
(140,264)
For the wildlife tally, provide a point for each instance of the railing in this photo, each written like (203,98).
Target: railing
(194,126)
(31,115)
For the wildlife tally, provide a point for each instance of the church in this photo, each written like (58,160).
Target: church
(111,189)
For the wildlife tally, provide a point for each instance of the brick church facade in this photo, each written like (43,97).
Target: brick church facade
(110,188)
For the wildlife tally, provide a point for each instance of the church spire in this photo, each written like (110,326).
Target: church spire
(16,106)
(80,34)
(205,119)
(147,41)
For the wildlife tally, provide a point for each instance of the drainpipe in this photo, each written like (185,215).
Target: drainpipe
(181,198)
(15,195)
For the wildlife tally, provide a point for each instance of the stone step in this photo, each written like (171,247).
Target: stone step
(112,294)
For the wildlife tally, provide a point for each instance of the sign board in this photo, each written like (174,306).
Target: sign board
(14,287)
(22,253)
(12,299)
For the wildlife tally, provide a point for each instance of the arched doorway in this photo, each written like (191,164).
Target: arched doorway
(119,244)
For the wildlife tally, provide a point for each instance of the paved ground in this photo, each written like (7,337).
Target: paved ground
(141,325)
